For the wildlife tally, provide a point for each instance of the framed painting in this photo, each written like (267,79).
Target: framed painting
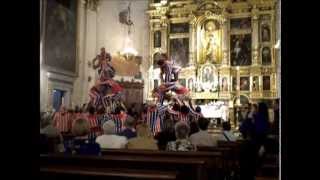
(60,35)
(157,39)
(224,84)
(266,55)
(240,50)
(240,23)
(255,83)
(265,33)
(266,83)
(179,28)
(244,83)
(179,51)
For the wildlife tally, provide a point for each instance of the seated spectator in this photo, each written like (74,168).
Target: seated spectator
(247,158)
(167,134)
(129,131)
(228,135)
(81,143)
(110,140)
(51,134)
(182,143)
(203,138)
(144,139)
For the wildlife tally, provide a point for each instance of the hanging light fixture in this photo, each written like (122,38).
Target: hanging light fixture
(128,51)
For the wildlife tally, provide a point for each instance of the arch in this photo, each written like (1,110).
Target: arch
(244,99)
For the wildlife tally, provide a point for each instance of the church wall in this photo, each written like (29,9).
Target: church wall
(103,29)
(111,32)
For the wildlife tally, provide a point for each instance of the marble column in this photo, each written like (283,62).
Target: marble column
(78,93)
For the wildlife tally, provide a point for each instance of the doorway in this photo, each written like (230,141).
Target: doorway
(58,99)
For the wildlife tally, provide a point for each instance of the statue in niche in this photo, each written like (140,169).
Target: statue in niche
(210,42)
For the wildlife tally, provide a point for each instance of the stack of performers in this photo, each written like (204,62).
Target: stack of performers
(178,110)
(106,93)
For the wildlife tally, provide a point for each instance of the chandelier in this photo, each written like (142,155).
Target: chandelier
(128,50)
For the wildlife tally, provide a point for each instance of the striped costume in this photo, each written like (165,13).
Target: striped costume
(155,116)
(95,128)
(62,121)
(118,120)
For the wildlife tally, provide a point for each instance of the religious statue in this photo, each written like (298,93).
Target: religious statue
(209,40)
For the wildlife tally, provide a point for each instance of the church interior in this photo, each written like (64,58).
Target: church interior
(160,89)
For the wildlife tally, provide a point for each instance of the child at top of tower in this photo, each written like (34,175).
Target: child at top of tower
(168,69)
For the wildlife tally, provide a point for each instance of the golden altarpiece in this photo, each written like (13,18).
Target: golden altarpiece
(225,47)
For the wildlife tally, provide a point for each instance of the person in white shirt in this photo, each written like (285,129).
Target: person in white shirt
(203,138)
(228,135)
(110,140)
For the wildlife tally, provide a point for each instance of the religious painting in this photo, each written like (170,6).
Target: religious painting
(191,85)
(255,83)
(157,39)
(244,83)
(156,58)
(224,84)
(266,83)
(210,41)
(266,56)
(265,33)
(179,51)
(240,49)
(60,35)
(182,82)
(234,83)
(179,28)
(207,75)
(240,23)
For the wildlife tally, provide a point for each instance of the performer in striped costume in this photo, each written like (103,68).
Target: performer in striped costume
(118,117)
(105,85)
(168,69)
(155,115)
(62,120)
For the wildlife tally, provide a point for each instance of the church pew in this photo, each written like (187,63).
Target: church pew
(214,160)
(68,172)
(193,169)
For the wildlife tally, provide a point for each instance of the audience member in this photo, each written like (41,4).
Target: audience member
(247,158)
(129,131)
(182,143)
(50,135)
(167,134)
(82,144)
(227,133)
(144,139)
(203,138)
(110,140)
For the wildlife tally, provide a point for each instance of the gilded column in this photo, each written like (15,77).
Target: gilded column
(225,40)
(192,32)
(255,37)
(164,35)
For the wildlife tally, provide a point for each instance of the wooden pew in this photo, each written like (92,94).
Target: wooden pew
(191,168)
(214,160)
(57,172)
